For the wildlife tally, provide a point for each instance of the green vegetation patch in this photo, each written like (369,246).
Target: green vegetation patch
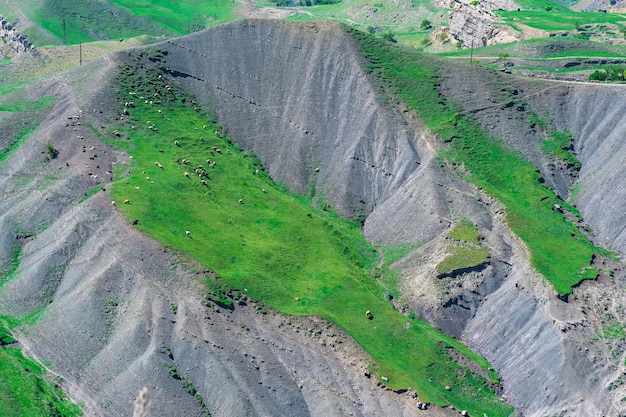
(615,330)
(75,21)
(24,116)
(611,73)
(466,252)
(560,144)
(181,17)
(558,249)
(25,389)
(17,102)
(466,231)
(192,189)
(556,18)
(461,258)
(390,277)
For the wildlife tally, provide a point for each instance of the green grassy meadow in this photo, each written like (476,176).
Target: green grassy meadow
(273,245)
(558,249)
(558,18)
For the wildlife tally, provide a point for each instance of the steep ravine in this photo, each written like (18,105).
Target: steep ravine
(296,95)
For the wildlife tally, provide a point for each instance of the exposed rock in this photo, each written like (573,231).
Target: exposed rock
(12,41)
(474,23)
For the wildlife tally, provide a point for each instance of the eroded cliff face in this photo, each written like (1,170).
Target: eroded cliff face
(298,97)
(477,25)
(594,114)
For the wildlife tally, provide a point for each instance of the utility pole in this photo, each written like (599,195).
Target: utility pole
(80,50)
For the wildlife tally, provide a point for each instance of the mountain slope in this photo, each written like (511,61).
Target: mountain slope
(298,97)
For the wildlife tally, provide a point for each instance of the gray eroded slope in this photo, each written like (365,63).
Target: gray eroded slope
(104,294)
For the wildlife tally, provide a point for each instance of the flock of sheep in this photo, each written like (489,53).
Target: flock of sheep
(199,171)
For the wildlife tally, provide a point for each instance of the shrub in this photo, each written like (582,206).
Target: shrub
(389,36)
(426,24)
(52,151)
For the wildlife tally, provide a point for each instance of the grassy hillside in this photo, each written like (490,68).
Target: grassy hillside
(553,17)
(558,250)
(73,21)
(272,245)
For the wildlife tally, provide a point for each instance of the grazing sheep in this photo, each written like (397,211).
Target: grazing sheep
(127,201)
(158,165)
(186,174)
(369,314)
(263,190)
(157,110)
(113,203)
(240,201)
(204,182)
(187,232)
(177,143)
(218,150)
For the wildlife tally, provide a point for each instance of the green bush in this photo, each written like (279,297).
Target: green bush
(52,151)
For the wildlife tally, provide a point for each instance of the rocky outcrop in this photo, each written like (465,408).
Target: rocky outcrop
(476,25)
(12,40)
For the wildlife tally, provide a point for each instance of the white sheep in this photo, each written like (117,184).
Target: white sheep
(187,232)
(177,143)
(127,201)
(186,174)
(263,190)
(240,201)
